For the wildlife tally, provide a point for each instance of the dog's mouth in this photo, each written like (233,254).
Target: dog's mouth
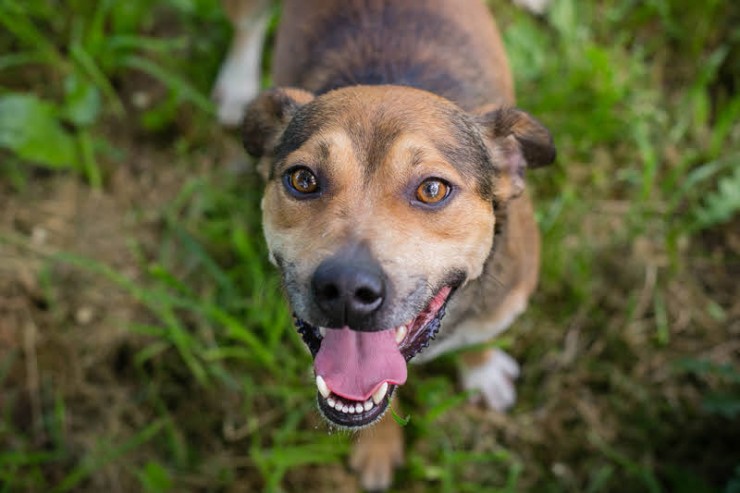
(357,372)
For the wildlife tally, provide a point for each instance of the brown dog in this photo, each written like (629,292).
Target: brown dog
(394,165)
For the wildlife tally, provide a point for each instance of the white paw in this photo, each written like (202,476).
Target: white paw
(534,6)
(494,380)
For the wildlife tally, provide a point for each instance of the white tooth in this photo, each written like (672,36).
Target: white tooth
(351,409)
(344,408)
(401,334)
(380,393)
(323,388)
(368,404)
(358,408)
(331,402)
(322,331)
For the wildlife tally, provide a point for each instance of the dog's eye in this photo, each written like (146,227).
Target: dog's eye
(301,180)
(432,191)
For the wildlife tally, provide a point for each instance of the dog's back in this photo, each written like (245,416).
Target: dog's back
(448,47)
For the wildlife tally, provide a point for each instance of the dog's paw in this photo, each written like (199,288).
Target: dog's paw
(376,454)
(492,379)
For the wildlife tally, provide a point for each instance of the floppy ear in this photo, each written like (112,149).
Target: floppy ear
(516,141)
(267,116)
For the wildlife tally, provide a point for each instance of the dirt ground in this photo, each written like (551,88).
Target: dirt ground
(603,399)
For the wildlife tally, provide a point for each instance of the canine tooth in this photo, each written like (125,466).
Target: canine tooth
(380,393)
(358,408)
(331,402)
(368,404)
(401,334)
(351,409)
(344,408)
(322,331)
(323,388)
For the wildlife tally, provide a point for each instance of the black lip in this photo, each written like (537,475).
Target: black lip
(426,334)
(309,333)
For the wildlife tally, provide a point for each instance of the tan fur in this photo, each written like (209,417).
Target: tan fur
(408,242)
(240,11)
(475,357)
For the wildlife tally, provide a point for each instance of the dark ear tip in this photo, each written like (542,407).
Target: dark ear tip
(535,140)
(253,130)
(267,114)
(549,155)
(538,152)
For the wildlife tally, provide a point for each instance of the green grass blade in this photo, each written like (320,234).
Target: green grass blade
(100,459)
(171,80)
(19,24)
(88,65)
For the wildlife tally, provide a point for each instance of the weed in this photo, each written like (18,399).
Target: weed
(86,52)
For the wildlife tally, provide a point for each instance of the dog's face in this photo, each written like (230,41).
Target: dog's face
(379,204)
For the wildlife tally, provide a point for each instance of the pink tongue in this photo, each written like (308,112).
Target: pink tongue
(354,364)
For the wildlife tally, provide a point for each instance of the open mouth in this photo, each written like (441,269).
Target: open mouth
(357,372)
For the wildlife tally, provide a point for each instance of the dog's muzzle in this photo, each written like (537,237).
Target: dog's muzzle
(357,371)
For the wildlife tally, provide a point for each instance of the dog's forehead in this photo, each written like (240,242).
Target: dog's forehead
(377,120)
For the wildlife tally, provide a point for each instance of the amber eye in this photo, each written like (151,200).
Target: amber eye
(432,191)
(301,181)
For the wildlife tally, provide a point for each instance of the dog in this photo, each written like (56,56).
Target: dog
(394,163)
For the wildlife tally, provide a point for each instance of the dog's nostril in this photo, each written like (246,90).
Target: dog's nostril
(329,292)
(366,295)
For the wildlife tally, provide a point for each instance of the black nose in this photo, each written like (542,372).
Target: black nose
(348,289)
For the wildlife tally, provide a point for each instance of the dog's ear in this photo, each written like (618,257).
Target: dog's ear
(267,116)
(516,141)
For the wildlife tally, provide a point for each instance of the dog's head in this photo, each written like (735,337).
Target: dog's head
(379,203)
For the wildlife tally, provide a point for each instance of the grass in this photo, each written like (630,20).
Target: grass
(629,347)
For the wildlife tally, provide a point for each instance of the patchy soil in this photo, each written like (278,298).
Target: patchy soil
(626,385)
(65,330)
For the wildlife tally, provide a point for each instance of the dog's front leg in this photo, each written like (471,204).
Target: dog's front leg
(377,452)
(240,75)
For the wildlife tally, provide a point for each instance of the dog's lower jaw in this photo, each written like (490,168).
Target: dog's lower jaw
(359,419)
